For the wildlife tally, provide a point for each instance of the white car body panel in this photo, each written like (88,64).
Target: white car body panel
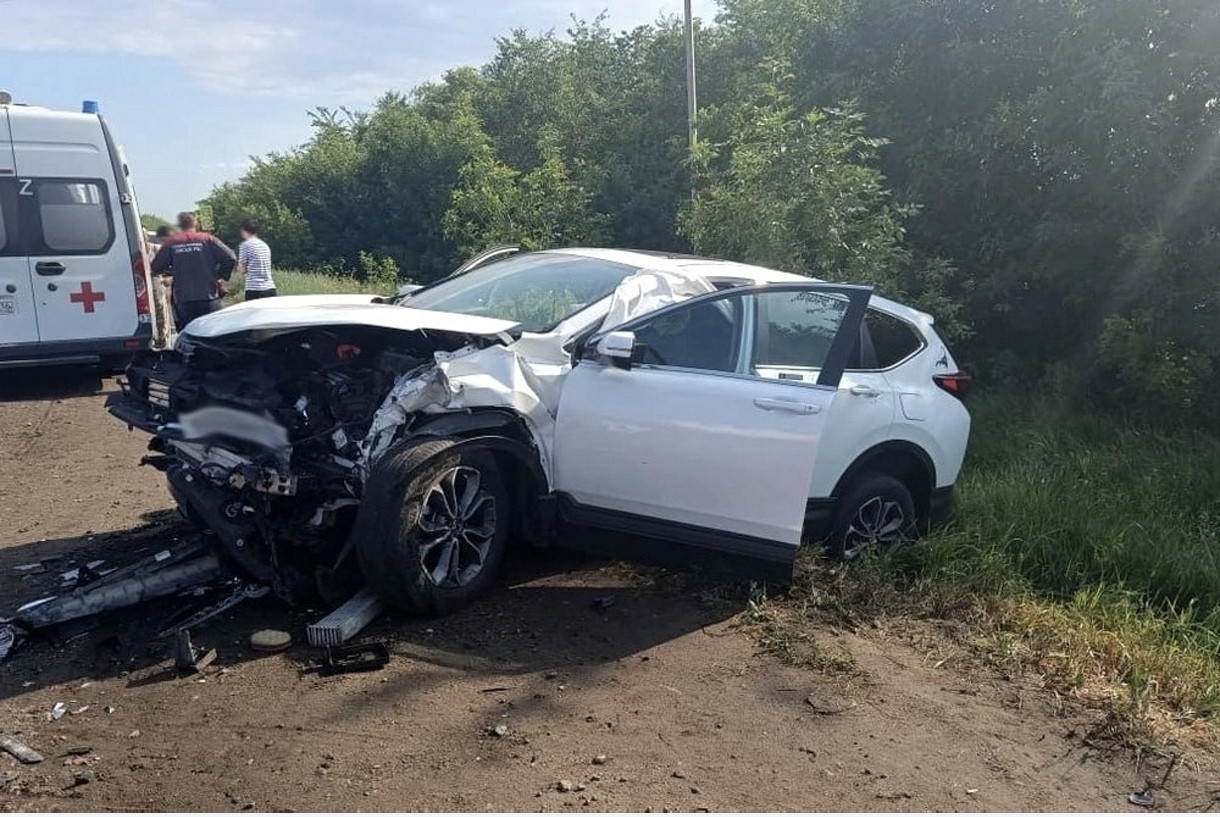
(689,447)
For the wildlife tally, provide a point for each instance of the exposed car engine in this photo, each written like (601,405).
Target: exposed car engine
(259,432)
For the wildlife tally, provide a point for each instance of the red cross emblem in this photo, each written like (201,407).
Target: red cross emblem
(87,297)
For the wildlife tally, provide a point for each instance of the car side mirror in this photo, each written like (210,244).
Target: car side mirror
(618,348)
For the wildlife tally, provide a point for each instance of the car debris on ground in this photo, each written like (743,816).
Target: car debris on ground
(363,657)
(19,750)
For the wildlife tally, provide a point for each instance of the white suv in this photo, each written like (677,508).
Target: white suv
(684,406)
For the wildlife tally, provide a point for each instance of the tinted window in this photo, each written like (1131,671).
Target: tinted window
(696,337)
(893,340)
(795,329)
(74,216)
(538,290)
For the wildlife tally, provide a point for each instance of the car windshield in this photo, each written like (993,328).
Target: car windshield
(537,290)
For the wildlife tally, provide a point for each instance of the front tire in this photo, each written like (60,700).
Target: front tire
(433,526)
(877,510)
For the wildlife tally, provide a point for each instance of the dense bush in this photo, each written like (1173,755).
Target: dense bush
(1042,175)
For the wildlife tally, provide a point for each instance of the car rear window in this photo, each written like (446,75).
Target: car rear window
(73,215)
(893,340)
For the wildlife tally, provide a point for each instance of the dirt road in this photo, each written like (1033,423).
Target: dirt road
(658,701)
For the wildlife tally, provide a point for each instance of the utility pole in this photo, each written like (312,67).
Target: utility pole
(691,104)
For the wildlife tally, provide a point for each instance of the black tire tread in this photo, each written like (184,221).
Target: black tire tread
(867,484)
(382,527)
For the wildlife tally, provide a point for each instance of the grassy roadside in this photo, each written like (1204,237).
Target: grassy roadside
(1084,550)
(306,282)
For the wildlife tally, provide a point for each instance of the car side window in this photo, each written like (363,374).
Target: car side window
(886,340)
(74,216)
(703,336)
(793,332)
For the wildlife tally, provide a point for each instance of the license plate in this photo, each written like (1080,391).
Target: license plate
(8,304)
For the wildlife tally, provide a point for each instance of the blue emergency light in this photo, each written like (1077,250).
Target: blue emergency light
(89,106)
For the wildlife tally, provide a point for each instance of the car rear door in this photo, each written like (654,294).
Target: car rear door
(701,442)
(18,317)
(71,211)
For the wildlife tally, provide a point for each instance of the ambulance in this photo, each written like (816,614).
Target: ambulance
(75,286)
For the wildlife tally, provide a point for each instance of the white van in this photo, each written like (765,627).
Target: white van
(75,286)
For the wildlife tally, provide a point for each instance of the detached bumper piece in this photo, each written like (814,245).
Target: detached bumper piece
(159,575)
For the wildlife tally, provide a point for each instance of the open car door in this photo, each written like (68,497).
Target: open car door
(697,426)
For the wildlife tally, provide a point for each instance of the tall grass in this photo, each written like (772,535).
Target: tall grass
(1084,548)
(310,282)
(1057,501)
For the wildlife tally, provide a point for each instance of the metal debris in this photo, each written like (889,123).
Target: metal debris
(144,580)
(8,640)
(57,711)
(189,658)
(349,619)
(354,658)
(1144,799)
(249,591)
(19,750)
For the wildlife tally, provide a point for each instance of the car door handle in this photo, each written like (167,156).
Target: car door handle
(862,390)
(49,268)
(775,404)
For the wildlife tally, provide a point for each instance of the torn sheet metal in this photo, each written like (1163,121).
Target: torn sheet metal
(410,394)
(496,376)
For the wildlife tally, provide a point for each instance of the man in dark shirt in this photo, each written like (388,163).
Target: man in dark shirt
(200,263)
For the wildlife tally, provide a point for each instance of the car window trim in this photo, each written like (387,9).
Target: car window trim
(923,345)
(35,232)
(837,356)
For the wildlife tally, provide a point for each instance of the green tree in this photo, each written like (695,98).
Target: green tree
(152,222)
(801,192)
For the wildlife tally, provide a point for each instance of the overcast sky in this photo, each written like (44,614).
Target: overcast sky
(193,88)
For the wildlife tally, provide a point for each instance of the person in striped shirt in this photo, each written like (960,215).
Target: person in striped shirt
(254,261)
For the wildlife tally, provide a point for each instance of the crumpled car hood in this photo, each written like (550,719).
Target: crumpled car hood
(304,311)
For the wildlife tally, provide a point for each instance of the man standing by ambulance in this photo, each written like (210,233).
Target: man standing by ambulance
(199,263)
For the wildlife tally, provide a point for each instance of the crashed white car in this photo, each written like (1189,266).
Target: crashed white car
(637,404)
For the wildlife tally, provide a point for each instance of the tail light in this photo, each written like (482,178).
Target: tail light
(957,384)
(139,274)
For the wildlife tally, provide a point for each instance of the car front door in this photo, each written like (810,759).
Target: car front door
(702,427)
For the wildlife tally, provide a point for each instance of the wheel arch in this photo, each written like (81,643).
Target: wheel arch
(902,460)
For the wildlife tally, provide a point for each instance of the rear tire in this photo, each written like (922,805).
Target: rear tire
(433,526)
(877,510)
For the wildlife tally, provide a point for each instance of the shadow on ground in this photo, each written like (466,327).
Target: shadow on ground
(52,383)
(550,610)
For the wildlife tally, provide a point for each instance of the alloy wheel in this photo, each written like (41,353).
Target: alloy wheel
(457,524)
